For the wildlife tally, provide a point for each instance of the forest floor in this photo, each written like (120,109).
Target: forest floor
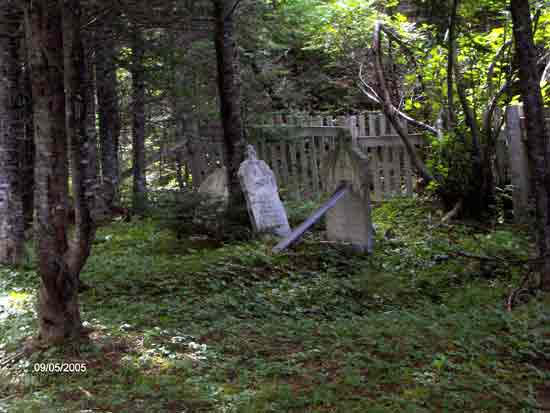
(192,326)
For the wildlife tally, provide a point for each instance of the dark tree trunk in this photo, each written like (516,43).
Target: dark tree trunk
(11,136)
(230,95)
(138,125)
(450,62)
(109,118)
(58,309)
(26,165)
(78,81)
(536,132)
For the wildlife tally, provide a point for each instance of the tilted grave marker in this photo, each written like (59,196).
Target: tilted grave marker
(350,219)
(259,185)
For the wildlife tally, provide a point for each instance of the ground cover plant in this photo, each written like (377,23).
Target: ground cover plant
(197,326)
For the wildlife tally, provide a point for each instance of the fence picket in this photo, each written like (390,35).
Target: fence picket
(397,169)
(362,126)
(372,124)
(295,186)
(296,153)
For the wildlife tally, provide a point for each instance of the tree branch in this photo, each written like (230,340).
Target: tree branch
(389,109)
(468,112)
(235,5)
(491,70)
(373,95)
(546,73)
(450,62)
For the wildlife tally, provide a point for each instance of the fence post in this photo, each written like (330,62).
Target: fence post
(352,125)
(519,163)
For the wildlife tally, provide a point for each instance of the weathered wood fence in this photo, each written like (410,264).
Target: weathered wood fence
(517,166)
(295,147)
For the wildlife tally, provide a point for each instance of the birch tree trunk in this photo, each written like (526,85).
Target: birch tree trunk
(537,135)
(11,138)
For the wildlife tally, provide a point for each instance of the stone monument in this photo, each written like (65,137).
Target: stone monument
(216,185)
(214,197)
(350,219)
(259,185)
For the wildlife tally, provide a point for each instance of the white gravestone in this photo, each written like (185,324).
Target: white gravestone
(350,220)
(265,208)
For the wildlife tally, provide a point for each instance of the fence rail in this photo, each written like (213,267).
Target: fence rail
(295,147)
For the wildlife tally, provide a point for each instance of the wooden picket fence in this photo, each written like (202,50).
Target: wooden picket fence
(295,147)
(516,163)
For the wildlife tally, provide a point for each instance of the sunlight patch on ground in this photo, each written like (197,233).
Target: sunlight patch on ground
(15,302)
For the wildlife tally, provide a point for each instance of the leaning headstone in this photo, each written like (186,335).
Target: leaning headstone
(265,208)
(349,220)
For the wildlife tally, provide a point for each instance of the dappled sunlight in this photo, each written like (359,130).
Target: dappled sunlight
(14,303)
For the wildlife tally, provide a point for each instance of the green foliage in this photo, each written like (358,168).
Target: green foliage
(193,213)
(450,162)
(188,326)
(299,211)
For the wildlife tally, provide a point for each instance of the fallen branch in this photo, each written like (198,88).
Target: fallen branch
(452,213)
(486,258)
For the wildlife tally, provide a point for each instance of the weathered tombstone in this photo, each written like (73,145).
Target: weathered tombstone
(349,220)
(216,185)
(213,198)
(259,185)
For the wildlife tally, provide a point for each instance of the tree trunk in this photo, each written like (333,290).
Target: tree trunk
(26,165)
(138,125)
(78,80)
(536,132)
(11,136)
(109,118)
(230,95)
(58,309)
(450,62)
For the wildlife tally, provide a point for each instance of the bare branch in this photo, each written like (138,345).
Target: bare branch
(373,95)
(471,120)
(488,115)
(408,52)
(450,62)
(389,109)
(546,73)
(491,69)
(235,5)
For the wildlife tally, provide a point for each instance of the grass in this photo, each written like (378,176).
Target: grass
(195,326)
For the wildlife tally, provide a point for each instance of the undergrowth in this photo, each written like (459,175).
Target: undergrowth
(200,326)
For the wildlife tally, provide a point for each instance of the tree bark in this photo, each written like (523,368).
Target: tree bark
(78,80)
(27,152)
(536,132)
(109,118)
(450,62)
(230,95)
(11,137)
(58,309)
(138,125)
